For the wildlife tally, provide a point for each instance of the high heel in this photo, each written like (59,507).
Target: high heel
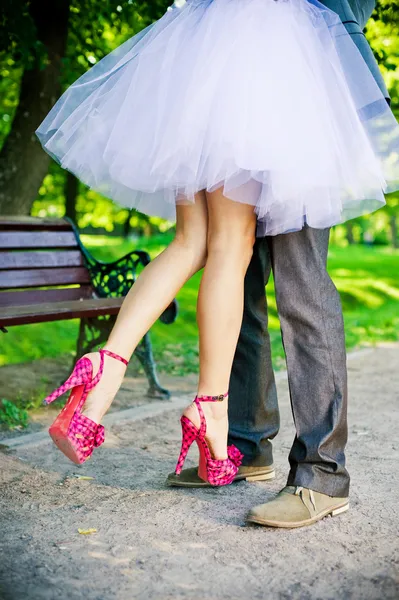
(215,472)
(72,432)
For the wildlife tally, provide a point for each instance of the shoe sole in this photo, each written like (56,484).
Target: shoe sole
(256,477)
(63,444)
(334,512)
(59,429)
(262,477)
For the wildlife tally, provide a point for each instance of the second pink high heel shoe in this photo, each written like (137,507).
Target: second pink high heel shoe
(215,472)
(72,432)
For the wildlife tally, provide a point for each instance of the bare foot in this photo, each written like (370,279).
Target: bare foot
(101,397)
(217,425)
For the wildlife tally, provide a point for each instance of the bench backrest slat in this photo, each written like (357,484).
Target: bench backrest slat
(19,240)
(43,277)
(21,223)
(41,253)
(26,297)
(41,259)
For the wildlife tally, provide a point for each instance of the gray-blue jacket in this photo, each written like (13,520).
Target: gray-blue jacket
(354,14)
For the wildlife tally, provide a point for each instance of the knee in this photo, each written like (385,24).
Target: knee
(234,246)
(193,243)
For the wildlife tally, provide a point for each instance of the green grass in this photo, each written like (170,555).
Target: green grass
(367,279)
(12,416)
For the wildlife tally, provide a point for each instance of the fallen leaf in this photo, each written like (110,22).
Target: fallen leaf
(87,531)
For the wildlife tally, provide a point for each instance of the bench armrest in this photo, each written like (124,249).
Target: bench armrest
(114,279)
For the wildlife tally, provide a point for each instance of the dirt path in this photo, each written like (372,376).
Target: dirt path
(154,542)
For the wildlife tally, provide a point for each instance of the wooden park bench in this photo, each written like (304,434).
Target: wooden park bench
(46,274)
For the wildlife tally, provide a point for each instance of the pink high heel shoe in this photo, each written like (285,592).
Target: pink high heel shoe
(215,472)
(72,432)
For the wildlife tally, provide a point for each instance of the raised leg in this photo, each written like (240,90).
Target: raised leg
(153,291)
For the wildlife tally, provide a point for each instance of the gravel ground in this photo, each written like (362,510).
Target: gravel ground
(154,542)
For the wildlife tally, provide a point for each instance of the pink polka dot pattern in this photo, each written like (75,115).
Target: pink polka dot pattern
(75,434)
(216,472)
(86,434)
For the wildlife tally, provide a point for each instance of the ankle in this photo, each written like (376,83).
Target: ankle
(219,412)
(123,353)
(217,409)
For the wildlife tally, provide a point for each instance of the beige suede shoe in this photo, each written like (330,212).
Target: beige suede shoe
(189,477)
(297,507)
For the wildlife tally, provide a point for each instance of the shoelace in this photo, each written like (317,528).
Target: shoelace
(311,506)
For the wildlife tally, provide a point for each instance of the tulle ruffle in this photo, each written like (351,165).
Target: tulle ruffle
(270,100)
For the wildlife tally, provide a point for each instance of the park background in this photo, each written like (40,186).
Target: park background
(44,47)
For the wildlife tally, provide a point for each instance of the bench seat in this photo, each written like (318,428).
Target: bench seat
(59,311)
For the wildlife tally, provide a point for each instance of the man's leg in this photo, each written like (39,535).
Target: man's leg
(313,335)
(253,408)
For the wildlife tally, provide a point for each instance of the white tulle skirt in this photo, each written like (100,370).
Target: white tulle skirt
(269,99)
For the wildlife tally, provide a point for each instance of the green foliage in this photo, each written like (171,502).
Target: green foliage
(95,29)
(383,35)
(93,210)
(11,416)
(10,76)
(18,36)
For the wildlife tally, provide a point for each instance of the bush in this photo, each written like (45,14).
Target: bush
(12,417)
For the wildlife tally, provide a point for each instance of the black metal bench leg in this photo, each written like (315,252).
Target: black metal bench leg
(81,341)
(93,333)
(146,358)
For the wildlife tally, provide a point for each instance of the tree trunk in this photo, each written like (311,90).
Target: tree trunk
(394,231)
(71,191)
(23,163)
(349,233)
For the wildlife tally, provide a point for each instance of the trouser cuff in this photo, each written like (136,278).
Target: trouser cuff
(254,455)
(314,478)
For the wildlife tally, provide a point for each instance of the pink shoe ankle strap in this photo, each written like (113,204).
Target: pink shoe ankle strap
(102,351)
(197,402)
(219,398)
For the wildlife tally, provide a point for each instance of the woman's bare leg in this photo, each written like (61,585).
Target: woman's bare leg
(231,236)
(153,291)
